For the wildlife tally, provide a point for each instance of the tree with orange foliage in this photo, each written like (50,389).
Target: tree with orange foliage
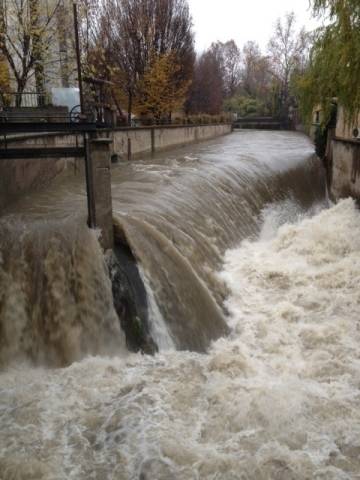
(4,79)
(162,90)
(133,37)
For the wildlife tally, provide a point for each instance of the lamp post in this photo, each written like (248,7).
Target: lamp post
(78,60)
(88,159)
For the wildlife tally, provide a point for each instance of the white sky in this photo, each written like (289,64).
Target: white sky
(243,20)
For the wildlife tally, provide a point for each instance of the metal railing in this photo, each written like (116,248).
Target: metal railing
(24,99)
(34,107)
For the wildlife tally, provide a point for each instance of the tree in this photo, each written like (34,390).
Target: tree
(4,79)
(334,69)
(207,90)
(287,51)
(160,91)
(254,94)
(255,77)
(229,58)
(134,32)
(26,36)
(245,106)
(38,47)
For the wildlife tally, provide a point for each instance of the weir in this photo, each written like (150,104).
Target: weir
(247,281)
(177,303)
(174,215)
(62,143)
(97,152)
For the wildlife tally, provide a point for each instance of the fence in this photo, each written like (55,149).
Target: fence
(24,99)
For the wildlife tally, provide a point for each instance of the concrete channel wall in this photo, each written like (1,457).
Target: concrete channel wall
(130,142)
(17,176)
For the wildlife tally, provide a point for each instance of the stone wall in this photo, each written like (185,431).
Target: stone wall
(345,174)
(344,160)
(344,130)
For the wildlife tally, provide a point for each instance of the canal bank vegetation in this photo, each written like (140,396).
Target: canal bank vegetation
(248,82)
(145,50)
(334,66)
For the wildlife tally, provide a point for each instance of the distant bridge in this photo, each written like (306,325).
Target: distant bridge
(261,123)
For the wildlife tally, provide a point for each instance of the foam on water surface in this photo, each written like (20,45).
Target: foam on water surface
(277,399)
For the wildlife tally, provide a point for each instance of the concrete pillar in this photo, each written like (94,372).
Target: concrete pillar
(100,177)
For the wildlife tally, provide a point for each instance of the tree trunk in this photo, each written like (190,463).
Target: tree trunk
(118,107)
(63,45)
(38,51)
(19,91)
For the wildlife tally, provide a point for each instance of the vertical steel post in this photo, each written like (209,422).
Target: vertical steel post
(86,139)
(78,59)
(89,174)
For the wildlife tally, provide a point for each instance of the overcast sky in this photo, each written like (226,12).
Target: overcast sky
(243,20)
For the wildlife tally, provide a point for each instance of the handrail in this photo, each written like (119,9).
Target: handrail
(25,99)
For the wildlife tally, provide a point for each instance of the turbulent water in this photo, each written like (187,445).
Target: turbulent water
(55,294)
(238,229)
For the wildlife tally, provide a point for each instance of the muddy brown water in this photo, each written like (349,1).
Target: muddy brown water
(235,232)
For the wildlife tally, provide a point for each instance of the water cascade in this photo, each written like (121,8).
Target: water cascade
(241,276)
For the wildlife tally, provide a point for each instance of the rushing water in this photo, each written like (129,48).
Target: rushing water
(236,230)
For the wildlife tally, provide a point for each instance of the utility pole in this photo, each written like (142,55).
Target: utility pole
(86,139)
(78,58)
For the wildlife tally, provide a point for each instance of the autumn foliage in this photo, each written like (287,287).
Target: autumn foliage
(162,89)
(145,48)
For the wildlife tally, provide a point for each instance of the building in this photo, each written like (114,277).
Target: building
(39,50)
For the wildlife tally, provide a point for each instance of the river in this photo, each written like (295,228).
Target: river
(252,292)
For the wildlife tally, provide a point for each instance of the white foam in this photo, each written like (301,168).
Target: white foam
(159,331)
(278,399)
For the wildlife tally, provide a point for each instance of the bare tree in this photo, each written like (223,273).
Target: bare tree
(287,49)
(131,33)
(207,91)
(26,36)
(229,57)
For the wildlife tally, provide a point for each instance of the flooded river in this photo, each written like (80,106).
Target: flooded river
(252,292)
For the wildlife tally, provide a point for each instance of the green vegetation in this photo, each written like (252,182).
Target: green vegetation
(334,69)
(265,85)
(246,106)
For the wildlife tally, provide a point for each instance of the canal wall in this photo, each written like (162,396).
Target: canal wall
(343,159)
(17,176)
(131,142)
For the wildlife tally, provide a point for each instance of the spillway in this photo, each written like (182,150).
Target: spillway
(249,290)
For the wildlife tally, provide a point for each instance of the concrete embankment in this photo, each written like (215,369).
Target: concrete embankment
(17,176)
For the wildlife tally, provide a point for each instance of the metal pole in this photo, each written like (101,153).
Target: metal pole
(78,60)
(89,182)
(86,139)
